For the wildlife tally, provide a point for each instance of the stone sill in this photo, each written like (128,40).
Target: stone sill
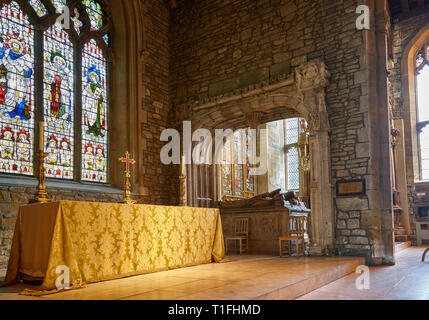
(422,183)
(73,186)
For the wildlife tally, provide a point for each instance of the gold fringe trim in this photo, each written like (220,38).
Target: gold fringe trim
(38,293)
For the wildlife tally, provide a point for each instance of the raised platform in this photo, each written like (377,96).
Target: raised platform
(246,278)
(399,246)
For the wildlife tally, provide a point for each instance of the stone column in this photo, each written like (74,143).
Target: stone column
(312,79)
(322,213)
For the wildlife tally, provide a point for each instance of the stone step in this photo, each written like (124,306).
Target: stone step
(399,246)
(314,281)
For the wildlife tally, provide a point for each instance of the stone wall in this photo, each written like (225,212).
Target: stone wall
(404,29)
(158,181)
(221,45)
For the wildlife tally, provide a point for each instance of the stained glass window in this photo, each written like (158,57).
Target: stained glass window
(95,14)
(94,109)
(227,170)
(76,22)
(16,91)
(250,180)
(59,55)
(59,4)
(58,103)
(106,39)
(237,183)
(422,71)
(38,7)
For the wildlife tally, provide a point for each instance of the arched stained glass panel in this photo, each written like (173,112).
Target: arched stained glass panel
(76,22)
(94,110)
(58,108)
(59,4)
(16,91)
(106,39)
(38,7)
(95,14)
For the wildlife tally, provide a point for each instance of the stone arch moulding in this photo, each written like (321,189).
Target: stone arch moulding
(408,80)
(300,94)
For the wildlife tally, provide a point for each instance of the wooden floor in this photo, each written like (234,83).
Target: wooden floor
(249,277)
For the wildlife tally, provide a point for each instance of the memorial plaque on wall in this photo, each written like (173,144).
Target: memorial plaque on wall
(351,188)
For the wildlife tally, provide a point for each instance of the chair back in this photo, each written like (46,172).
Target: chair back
(297,225)
(242,226)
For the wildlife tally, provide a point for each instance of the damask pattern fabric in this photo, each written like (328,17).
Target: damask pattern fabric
(104,241)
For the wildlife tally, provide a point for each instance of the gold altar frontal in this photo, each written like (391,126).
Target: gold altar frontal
(105,241)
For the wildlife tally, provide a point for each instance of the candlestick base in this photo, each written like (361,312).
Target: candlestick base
(40,199)
(124,201)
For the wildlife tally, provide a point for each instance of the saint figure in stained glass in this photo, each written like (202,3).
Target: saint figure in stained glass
(94,110)
(18,74)
(99,157)
(95,90)
(59,102)
(89,156)
(23,146)
(7,143)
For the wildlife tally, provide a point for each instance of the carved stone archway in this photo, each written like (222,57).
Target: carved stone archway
(301,94)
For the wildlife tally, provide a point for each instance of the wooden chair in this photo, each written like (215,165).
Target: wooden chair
(297,231)
(241,234)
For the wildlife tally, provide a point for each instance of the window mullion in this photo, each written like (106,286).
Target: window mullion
(286,155)
(78,112)
(38,86)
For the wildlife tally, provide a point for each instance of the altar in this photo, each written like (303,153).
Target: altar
(105,241)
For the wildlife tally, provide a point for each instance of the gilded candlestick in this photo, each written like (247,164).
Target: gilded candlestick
(41,195)
(182,178)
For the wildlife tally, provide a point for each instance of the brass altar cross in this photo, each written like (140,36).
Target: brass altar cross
(128,161)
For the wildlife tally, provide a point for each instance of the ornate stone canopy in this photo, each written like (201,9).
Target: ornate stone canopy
(300,94)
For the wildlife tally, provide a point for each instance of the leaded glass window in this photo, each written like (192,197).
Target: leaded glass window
(69,62)
(95,14)
(94,109)
(237,183)
(283,155)
(58,80)
(292,157)
(16,91)
(38,7)
(422,71)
